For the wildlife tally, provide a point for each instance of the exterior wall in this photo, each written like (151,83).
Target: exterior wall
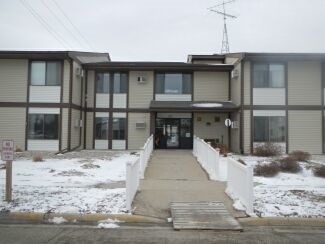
(75,130)
(66,81)
(13,80)
(304,83)
(305,131)
(211,86)
(44,94)
(136,88)
(137,137)
(216,130)
(173,97)
(269,96)
(89,130)
(236,86)
(247,83)
(247,131)
(64,129)
(234,133)
(12,125)
(207,62)
(76,85)
(90,88)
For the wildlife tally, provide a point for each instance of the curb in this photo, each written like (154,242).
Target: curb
(269,221)
(85,218)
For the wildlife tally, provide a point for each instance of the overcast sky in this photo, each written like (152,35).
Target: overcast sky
(162,30)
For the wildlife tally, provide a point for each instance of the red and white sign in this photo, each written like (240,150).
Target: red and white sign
(8,149)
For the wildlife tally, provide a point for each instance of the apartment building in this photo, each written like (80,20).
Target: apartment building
(76,100)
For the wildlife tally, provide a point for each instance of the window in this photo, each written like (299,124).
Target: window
(269,129)
(43,126)
(120,82)
(46,73)
(268,75)
(173,83)
(102,83)
(119,129)
(101,128)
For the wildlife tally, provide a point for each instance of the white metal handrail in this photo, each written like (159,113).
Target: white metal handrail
(240,184)
(208,157)
(135,170)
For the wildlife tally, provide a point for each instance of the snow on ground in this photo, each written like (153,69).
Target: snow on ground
(288,194)
(108,224)
(58,220)
(76,185)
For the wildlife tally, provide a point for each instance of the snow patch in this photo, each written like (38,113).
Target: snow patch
(58,220)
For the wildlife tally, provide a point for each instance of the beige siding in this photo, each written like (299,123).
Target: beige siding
(247,83)
(66,81)
(235,86)
(89,130)
(216,130)
(234,133)
(247,131)
(75,131)
(76,86)
(140,94)
(231,60)
(304,83)
(211,86)
(12,125)
(64,129)
(305,131)
(137,137)
(90,88)
(13,80)
(207,62)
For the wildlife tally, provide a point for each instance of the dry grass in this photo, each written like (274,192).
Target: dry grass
(267,170)
(289,165)
(224,150)
(319,171)
(267,149)
(300,155)
(18,149)
(38,158)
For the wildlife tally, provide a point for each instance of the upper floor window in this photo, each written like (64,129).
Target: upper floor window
(120,82)
(173,83)
(102,83)
(268,75)
(46,73)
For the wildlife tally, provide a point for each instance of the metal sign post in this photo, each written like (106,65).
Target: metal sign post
(8,156)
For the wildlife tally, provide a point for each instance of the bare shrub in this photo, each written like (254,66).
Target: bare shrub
(319,171)
(267,149)
(289,165)
(224,150)
(300,155)
(18,149)
(267,170)
(38,158)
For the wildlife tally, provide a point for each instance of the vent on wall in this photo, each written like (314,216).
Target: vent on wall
(140,125)
(79,72)
(235,125)
(234,73)
(78,123)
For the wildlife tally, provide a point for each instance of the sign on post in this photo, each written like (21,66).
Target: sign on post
(228,122)
(7,150)
(7,155)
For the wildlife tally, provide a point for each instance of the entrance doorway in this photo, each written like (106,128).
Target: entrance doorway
(173,133)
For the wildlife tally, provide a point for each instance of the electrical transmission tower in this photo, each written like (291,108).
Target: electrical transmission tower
(221,9)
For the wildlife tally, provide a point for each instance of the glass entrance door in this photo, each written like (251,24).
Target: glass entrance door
(173,133)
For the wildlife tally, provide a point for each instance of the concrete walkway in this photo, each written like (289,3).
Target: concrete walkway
(175,175)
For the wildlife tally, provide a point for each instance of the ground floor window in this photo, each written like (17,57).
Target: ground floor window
(269,129)
(43,126)
(119,128)
(101,125)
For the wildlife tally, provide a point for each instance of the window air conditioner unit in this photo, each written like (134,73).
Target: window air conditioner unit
(79,72)
(235,125)
(140,125)
(234,73)
(141,79)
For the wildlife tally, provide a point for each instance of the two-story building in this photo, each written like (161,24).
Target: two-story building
(75,100)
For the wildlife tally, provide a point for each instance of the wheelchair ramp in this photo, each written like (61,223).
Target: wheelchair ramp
(202,216)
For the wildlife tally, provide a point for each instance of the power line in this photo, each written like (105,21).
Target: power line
(44,24)
(62,23)
(75,27)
